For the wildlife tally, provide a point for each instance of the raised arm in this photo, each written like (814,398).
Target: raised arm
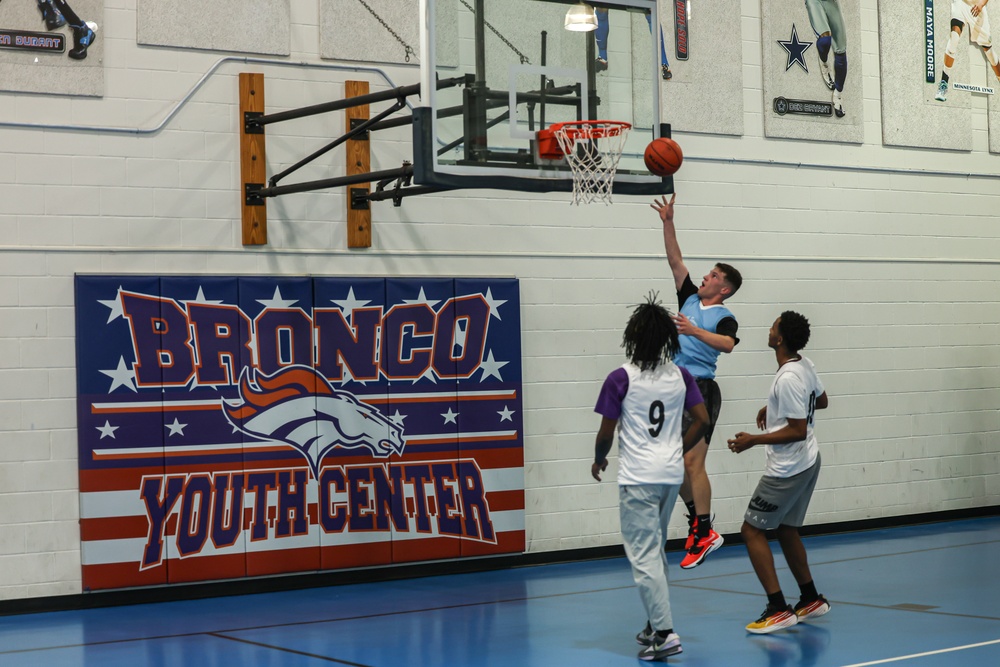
(665,209)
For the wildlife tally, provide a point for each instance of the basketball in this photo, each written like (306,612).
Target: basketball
(663,156)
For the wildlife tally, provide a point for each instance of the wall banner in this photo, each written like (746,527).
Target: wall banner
(244,426)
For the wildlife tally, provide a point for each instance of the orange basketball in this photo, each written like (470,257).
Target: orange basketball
(663,156)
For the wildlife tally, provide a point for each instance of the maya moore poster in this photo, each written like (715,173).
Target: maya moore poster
(244,426)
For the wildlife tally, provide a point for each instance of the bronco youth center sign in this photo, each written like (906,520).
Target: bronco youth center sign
(243,426)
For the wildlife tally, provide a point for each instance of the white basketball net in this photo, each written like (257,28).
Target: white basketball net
(592,149)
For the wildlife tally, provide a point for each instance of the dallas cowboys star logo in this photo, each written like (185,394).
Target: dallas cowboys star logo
(796,51)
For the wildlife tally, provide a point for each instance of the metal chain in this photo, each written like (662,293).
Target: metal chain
(407,47)
(524,58)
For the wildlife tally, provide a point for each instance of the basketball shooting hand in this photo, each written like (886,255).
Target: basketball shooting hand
(664,208)
(597,468)
(762,418)
(741,442)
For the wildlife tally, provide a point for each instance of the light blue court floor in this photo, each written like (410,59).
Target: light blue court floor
(915,596)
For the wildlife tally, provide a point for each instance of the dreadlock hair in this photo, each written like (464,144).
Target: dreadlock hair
(794,330)
(650,336)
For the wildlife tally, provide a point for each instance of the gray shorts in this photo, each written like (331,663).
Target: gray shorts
(782,500)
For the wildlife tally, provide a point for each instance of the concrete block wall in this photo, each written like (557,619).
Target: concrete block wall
(891,253)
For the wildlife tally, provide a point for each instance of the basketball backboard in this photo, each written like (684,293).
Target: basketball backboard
(494,72)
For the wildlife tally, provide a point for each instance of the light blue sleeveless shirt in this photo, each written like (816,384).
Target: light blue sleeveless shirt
(697,357)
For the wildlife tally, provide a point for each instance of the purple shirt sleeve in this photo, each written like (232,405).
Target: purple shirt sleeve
(693,396)
(609,401)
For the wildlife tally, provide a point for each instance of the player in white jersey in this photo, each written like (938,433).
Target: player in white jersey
(793,462)
(971,13)
(645,400)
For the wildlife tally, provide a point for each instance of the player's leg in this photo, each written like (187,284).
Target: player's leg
(601,37)
(777,614)
(823,44)
(644,511)
(983,37)
(53,19)
(801,486)
(991,57)
(664,63)
(950,51)
(838,39)
(698,488)
(821,27)
(83,34)
(766,510)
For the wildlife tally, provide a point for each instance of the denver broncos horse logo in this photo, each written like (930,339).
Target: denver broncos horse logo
(297,406)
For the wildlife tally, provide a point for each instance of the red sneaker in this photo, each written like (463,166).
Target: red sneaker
(700,549)
(692,534)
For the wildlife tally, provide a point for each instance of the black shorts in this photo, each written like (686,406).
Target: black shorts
(713,403)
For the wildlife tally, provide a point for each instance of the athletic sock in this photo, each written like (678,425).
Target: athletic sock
(809,592)
(663,634)
(704,525)
(776,601)
(692,512)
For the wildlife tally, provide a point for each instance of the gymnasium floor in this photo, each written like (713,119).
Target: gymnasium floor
(916,596)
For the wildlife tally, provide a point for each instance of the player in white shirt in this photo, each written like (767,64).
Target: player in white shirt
(645,400)
(793,462)
(971,13)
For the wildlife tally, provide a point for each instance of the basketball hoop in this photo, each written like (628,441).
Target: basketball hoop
(592,148)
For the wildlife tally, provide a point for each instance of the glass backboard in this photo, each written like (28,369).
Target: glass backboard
(494,72)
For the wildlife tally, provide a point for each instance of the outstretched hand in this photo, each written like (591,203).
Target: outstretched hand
(664,208)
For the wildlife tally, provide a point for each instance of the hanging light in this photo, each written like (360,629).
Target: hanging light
(580,18)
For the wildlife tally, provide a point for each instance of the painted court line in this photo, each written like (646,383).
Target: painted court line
(921,655)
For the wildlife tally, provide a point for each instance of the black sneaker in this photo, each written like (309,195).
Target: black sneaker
(83,39)
(662,647)
(646,637)
(53,17)
(665,72)
(601,65)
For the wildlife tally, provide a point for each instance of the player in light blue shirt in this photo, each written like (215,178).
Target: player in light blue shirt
(707,330)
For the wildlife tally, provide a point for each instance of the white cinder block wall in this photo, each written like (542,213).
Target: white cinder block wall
(892,254)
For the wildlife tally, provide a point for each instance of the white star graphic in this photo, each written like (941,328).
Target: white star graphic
(346,377)
(397,418)
(494,304)
(201,297)
(491,367)
(123,376)
(429,374)
(107,431)
(422,298)
(449,417)
(277,301)
(505,414)
(176,428)
(348,305)
(115,305)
